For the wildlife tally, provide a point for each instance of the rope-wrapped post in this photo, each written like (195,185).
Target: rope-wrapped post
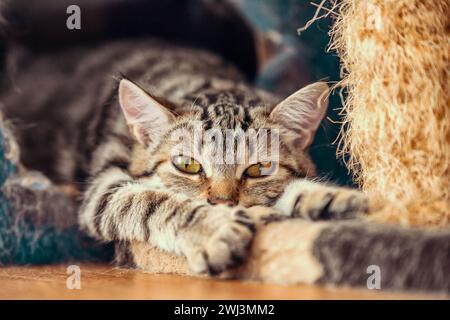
(395,63)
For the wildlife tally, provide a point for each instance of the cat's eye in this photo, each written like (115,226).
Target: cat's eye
(259,169)
(186,164)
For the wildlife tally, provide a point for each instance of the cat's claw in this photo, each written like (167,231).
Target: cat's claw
(231,231)
(331,205)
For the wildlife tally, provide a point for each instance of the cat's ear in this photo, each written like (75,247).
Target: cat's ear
(146,117)
(300,114)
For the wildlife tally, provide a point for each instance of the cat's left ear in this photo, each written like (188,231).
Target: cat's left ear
(300,114)
(147,118)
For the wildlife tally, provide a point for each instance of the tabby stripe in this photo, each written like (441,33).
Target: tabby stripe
(164,71)
(294,211)
(325,213)
(218,109)
(87,197)
(171,215)
(255,103)
(116,162)
(238,96)
(153,204)
(150,172)
(176,86)
(127,206)
(247,120)
(212,97)
(205,85)
(124,209)
(190,217)
(247,221)
(206,119)
(102,204)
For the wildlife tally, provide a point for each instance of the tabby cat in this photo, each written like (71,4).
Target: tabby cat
(107,116)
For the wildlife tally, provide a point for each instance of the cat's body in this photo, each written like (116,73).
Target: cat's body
(136,192)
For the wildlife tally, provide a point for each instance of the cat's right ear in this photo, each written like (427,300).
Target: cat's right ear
(146,117)
(300,114)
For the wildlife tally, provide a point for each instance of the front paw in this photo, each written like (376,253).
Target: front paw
(221,241)
(265,215)
(331,204)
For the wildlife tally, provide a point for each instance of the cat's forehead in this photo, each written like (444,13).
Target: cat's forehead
(236,95)
(223,97)
(228,109)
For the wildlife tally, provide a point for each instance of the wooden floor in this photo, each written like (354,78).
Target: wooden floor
(106,282)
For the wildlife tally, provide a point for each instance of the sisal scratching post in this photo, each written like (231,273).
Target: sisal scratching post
(395,59)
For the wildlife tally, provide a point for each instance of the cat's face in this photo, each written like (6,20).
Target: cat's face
(225,148)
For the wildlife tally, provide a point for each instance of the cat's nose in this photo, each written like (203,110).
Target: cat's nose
(222,200)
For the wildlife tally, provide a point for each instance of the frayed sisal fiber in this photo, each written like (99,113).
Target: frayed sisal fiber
(395,64)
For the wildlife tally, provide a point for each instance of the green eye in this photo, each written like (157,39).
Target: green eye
(186,164)
(258,169)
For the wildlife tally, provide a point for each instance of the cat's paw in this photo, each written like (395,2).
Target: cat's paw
(227,235)
(265,215)
(331,204)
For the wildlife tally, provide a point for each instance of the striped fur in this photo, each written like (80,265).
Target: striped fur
(133,192)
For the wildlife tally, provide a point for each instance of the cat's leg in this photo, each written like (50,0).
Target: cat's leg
(118,208)
(316,201)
